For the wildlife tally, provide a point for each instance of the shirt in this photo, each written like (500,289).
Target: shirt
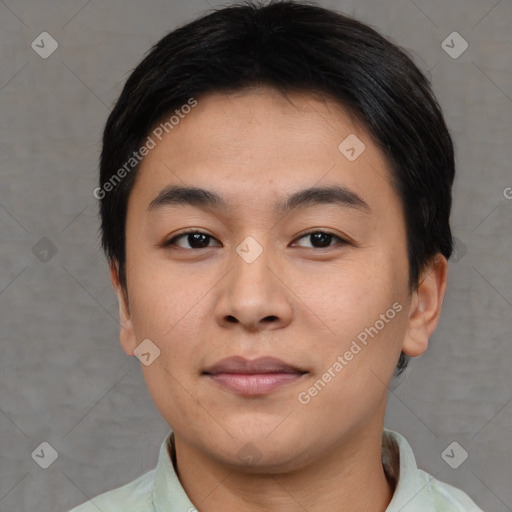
(160,490)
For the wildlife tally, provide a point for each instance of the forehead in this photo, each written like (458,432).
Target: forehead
(259,142)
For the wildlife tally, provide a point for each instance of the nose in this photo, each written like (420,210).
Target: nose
(254,296)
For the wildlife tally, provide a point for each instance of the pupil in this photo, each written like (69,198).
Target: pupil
(198,239)
(321,239)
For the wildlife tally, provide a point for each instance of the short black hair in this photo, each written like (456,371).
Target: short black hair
(291,47)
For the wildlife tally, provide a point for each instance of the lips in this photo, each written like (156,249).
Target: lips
(240,365)
(252,377)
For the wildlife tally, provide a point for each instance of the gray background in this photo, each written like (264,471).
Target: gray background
(64,378)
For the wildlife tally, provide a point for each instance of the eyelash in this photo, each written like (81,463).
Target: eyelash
(173,240)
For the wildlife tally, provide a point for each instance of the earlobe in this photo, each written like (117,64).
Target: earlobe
(426,305)
(126,335)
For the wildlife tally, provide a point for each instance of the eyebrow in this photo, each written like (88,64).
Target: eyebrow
(202,198)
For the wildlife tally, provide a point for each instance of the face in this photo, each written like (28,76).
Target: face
(297,251)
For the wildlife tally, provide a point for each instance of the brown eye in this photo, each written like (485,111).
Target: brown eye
(321,239)
(191,240)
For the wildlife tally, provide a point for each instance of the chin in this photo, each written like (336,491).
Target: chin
(258,450)
(254,459)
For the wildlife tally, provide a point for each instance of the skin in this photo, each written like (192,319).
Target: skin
(297,301)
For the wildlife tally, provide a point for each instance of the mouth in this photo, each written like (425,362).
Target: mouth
(253,377)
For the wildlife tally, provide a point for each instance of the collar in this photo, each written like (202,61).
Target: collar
(397,459)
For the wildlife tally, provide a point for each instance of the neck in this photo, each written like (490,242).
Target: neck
(349,477)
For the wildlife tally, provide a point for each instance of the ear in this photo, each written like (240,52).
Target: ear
(127,335)
(426,305)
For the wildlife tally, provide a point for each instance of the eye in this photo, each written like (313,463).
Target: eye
(321,239)
(191,240)
(200,240)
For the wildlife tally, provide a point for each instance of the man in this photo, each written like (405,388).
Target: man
(275,194)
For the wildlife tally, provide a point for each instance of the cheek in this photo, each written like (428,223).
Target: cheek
(348,296)
(363,309)
(172,308)
(162,296)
